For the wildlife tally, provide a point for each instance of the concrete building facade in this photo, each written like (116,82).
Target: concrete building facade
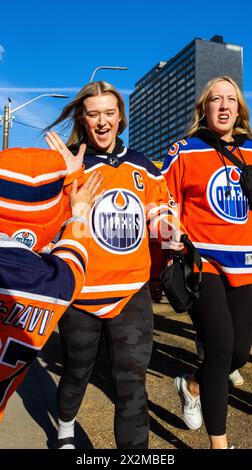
(161,106)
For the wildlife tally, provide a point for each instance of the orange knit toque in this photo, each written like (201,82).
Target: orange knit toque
(33,205)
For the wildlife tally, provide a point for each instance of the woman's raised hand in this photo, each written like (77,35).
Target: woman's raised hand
(73,162)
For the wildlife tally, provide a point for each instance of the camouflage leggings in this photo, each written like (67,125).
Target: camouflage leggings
(130,344)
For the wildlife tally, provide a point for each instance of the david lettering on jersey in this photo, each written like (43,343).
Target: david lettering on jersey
(26,318)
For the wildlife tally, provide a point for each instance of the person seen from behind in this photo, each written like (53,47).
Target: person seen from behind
(36,186)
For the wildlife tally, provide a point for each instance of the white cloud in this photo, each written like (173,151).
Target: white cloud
(126,91)
(247,95)
(2,51)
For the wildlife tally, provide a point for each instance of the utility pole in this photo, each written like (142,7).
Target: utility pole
(8,113)
(6,121)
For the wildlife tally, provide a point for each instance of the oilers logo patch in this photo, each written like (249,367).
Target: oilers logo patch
(118,221)
(232,207)
(25,236)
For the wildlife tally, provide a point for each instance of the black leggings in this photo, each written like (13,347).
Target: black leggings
(130,344)
(222,317)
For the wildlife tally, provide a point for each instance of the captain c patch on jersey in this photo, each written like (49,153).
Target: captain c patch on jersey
(118,221)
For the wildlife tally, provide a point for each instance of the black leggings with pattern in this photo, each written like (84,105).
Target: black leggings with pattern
(130,344)
(222,317)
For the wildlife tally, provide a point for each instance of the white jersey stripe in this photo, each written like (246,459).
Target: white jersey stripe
(68,241)
(228,270)
(95,167)
(107,309)
(112,287)
(217,247)
(236,270)
(29,179)
(32,296)
(12,243)
(71,257)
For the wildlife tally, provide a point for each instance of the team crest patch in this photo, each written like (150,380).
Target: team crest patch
(25,236)
(232,208)
(118,221)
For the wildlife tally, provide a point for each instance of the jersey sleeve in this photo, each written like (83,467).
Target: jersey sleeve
(35,292)
(173,172)
(72,249)
(161,211)
(76,175)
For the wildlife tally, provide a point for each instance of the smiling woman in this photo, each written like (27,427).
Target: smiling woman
(116,297)
(101,120)
(83,114)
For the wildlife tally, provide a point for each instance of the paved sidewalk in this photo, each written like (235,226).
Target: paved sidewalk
(29,422)
(30,415)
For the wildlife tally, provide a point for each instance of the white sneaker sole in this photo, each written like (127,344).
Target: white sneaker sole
(177,382)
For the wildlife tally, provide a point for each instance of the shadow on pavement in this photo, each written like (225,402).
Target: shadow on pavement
(38,393)
(167,360)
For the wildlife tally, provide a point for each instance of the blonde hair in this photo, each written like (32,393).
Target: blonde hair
(199,119)
(73,112)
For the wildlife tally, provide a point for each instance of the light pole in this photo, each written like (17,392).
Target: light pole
(112,67)
(8,112)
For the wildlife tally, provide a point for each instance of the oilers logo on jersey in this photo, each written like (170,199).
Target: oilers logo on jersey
(25,236)
(118,221)
(234,207)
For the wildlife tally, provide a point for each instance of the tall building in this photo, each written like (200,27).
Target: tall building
(161,107)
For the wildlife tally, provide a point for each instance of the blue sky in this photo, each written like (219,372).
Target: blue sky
(53,47)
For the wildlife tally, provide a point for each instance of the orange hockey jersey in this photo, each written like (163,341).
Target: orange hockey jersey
(218,221)
(135,203)
(35,290)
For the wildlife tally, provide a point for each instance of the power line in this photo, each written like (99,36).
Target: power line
(29,125)
(36,127)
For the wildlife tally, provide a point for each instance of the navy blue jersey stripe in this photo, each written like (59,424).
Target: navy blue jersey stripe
(107,300)
(49,275)
(229,259)
(23,193)
(131,156)
(139,159)
(75,253)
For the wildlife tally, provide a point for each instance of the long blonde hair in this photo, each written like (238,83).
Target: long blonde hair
(73,112)
(199,119)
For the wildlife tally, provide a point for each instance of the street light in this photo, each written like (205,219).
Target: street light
(8,112)
(113,67)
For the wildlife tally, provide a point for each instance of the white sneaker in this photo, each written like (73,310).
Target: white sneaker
(191,407)
(236,378)
(232,447)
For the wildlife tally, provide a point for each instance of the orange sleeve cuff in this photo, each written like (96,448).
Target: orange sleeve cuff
(76,175)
